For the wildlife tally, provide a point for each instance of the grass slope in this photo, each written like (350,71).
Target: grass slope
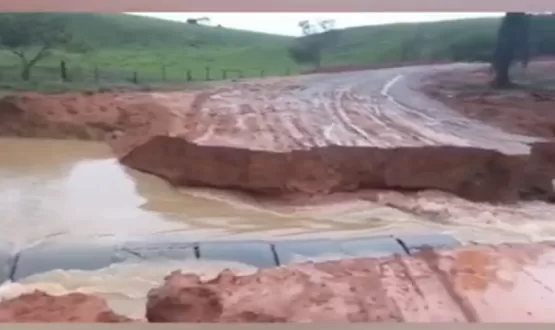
(409,41)
(125,43)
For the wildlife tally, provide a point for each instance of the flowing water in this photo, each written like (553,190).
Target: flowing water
(54,190)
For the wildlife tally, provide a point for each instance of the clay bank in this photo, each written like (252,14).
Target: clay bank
(473,284)
(333,155)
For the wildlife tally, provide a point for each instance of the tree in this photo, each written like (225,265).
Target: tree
(305,53)
(316,38)
(512,45)
(31,37)
(198,20)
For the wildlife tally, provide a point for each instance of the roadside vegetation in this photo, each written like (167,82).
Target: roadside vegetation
(54,50)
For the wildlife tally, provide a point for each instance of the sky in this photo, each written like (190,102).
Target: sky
(286,23)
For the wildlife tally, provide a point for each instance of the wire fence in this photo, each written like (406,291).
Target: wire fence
(97,75)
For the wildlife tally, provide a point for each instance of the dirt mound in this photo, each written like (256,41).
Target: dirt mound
(78,116)
(471,173)
(464,285)
(73,307)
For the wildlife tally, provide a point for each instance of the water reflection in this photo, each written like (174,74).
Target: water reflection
(70,190)
(74,190)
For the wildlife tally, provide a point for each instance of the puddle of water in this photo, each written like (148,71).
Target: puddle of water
(54,190)
(70,190)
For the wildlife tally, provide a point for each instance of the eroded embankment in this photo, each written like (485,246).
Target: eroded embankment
(470,284)
(468,172)
(205,139)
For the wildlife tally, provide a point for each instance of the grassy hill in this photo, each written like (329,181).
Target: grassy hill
(126,42)
(155,48)
(117,30)
(410,41)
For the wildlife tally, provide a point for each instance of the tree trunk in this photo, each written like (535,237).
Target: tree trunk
(27,65)
(512,40)
(26,72)
(502,78)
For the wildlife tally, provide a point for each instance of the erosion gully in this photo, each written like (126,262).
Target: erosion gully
(71,191)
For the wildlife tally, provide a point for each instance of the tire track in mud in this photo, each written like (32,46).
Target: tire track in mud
(337,106)
(415,134)
(397,124)
(374,119)
(329,132)
(445,125)
(349,109)
(427,129)
(377,123)
(393,123)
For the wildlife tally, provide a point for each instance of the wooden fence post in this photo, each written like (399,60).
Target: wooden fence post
(207,76)
(135,77)
(63,71)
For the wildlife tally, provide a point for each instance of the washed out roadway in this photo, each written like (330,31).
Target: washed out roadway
(378,108)
(325,133)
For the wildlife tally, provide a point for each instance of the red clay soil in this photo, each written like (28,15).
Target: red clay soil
(528,111)
(473,284)
(70,308)
(257,137)
(470,284)
(149,135)
(101,117)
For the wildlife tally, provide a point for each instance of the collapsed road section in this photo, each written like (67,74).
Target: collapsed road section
(315,134)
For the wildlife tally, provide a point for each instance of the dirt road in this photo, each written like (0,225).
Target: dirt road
(333,132)
(377,108)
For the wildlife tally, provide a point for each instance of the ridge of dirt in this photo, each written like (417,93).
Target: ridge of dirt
(481,175)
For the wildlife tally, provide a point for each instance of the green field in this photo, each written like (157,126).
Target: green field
(114,47)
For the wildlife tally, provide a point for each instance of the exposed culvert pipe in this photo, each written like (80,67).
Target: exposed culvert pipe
(261,254)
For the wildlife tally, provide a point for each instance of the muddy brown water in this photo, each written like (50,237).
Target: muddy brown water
(60,191)
(53,190)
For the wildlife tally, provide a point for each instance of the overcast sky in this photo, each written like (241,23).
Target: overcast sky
(286,23)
